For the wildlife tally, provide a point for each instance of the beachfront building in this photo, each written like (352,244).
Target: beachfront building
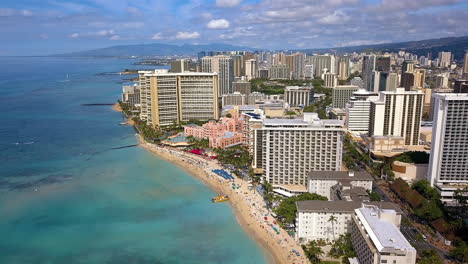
(252,121)
(341,95)
(323,182)
(229,139)
(376,237)
(168,98)
(286,150)
(327,220)
(298,96)
(131,94)
(225,133)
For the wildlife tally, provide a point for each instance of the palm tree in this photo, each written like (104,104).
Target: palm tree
(333,219)
(313,252)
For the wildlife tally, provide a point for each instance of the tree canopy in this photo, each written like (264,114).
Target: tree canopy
(287,208)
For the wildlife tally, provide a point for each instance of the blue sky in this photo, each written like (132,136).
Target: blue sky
(40,27)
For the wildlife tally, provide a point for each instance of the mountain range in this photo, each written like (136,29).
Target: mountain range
(457,45)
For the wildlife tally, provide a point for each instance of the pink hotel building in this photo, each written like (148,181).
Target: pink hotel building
(223,134)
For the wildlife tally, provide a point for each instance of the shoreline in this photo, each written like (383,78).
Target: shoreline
(277,248)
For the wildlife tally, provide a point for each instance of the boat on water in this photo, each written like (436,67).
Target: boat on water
(219,198)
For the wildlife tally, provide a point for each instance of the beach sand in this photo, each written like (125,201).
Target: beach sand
(245,203)
(116,107)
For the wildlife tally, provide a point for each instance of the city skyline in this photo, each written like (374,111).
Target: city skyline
(54,27)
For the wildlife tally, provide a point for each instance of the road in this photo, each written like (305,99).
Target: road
(411,233)
(407,229)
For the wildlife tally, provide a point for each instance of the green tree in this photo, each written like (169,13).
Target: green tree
(374,197)
(430,257)
(429,210)
(424,188)
(460,252)
(342,247)
(287,209)
(312,252)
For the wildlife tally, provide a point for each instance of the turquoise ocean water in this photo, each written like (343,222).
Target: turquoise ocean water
(67,197)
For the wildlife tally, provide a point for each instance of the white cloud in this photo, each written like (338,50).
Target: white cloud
(338,17)
(218,24)
(157,36)
(187,35)
(115,37)
(361,42)
(227,3)
(74,35)
(26,13)
(103,33)
(43,36)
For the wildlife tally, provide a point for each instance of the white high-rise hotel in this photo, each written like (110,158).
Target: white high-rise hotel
(288,149)
(397,114)
(448,165)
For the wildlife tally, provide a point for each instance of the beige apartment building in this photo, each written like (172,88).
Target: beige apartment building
(166,98)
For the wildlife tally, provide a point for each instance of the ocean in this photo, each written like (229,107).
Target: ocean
(66,196)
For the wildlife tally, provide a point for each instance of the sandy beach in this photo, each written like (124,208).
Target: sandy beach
(247,205)
(116,107)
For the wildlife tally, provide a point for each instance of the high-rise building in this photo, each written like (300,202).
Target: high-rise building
(382,63)
(290,63)
(341,95)
(238,65)
(263,73)
(131,94)
(330,80)
(320,63)
(419,78)
(445,59)
(343,68)
(235,98)
(242,87)
(279,72)
(309,71)
(397,114)
(376,237)
(407,66)
(407,80)
(441,81)
(298,96)
(174,97)
(358,110)
(368,67)
(224,66)
(379,81)
(299,62)
(357,81)
(180,66)
(286,150)
(465,66)
(392,82)
(460,86)
(448,170)
(251,69)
